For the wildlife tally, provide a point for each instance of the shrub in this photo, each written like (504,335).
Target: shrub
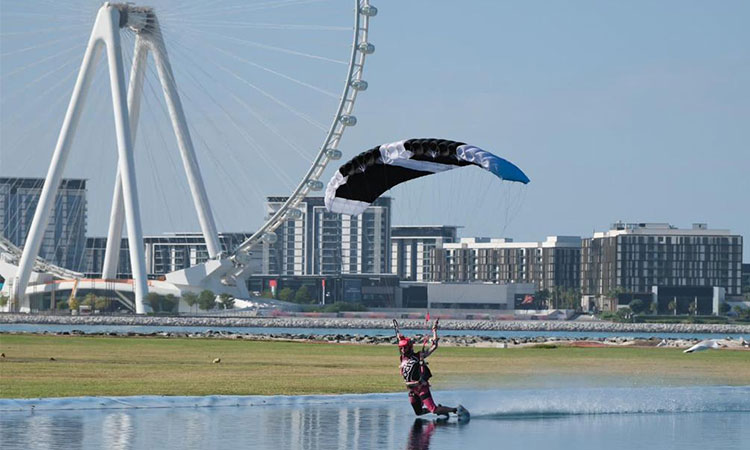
(638,306)
(101,303)
(340,307)
(169,303)
(303,295)
(154,300)
(286,294)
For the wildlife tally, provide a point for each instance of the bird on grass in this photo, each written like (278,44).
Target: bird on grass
(217,361)
(708,344)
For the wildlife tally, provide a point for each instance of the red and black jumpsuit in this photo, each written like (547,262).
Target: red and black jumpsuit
(416,375)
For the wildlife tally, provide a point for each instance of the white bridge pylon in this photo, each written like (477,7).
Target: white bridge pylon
(106,35)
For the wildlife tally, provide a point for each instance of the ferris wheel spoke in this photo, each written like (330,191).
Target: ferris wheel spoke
(277,49)
(277,73)
(249,7)
(47,44)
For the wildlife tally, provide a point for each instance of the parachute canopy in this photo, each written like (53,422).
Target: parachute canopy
(357,184)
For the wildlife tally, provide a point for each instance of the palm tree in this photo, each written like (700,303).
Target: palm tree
(672,306)
(191,298)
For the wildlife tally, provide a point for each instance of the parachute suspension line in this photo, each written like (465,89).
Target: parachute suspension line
(514,200)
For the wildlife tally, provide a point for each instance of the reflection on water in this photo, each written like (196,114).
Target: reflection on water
(616,418)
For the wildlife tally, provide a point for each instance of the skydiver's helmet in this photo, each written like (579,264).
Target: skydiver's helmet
(406,346)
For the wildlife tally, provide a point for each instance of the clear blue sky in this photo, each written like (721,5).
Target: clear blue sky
(633,110)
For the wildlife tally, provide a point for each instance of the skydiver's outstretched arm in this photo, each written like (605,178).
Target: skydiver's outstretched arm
(399,336)
(435,339)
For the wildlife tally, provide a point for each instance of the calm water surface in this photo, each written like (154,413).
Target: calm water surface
(53,328)
(581,419)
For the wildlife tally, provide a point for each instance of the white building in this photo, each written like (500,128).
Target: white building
(411,248)
(463,296)
(547,264)
(314,241)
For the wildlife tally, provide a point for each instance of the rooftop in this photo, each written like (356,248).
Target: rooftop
(659,228)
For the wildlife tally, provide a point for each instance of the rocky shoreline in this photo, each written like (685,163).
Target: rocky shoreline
(377,323)
(449,341)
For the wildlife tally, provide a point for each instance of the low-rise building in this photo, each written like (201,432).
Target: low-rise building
(369,290)
(464,296)
(164,253)
(411,246)
(553,263)
(634,260)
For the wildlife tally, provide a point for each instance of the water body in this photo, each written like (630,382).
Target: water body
(55,328)
(583,419)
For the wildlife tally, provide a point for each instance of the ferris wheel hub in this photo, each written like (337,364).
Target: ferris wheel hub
(137,18)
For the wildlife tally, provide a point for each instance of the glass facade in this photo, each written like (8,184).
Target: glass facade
(640,257)
(65,236)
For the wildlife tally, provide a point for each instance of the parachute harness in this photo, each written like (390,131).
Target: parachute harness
(422,362)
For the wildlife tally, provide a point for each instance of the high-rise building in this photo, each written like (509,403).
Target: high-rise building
(314,241)
(411,247)
(164,254)
(65,236)
(637,258)
(548,264)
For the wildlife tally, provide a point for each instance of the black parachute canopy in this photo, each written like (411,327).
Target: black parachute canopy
(368,175)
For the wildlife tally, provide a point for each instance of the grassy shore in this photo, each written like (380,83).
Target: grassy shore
(182,366)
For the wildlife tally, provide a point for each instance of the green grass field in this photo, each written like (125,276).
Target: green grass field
(182,366)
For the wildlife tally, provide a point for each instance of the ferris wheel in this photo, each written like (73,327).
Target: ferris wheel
(36,72)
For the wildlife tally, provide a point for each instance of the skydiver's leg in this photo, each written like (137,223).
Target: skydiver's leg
(426,397)
(416,403)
